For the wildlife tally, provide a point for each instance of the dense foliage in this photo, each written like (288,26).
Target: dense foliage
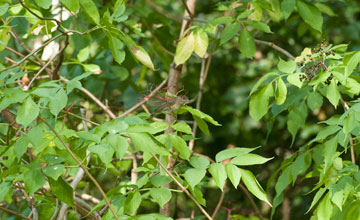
(102,101)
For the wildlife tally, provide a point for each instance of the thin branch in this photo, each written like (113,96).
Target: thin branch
(32,53)
(79,175)
(183,188)
(14,213)
(352,152)
(44,67)
(142,101)
(242,187)
(58,23)
(218,206)
(274,46)
(187,9)
(82,166)
(96,100)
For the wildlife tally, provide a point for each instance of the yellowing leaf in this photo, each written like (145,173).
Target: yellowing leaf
(201,42)
(184,49)
(141,55)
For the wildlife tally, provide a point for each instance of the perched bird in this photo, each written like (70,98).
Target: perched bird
(171,105)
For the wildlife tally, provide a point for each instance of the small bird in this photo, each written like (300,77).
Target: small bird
(171,105)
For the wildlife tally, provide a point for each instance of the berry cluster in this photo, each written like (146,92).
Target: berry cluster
(314,63)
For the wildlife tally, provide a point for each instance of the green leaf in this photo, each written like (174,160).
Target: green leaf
(117,49)
(58,102)
(222,20)
(232,152)
(90,9)
(35,135)
(12,95)
(349,123)
(83,54)
(20,146)
(4,37)
(351,61)
(201,42)
(294,79)
(229,32)
(184,49)
(316,198)
(132,202)
(27,113)
(53,159)
(301,164)
(43,3)
(233,173)
(259,25)
(62,190)
(72,5)
(54,171)
(261,80)
(160,180)
(296,119)
(286,66)
(180,146)
(198,195)
(333,94)
(249,159)
(199,162)
(310,14)
(253,185)
(118,143)
(218,172)
(33,179)
(352,86)
(5,188)
(194,176)
(146,143)
(161,195)
(287,7)
(247,43)
(182,127)
(280,92)
(324,210)
(142,56)
(314,101)
(104,151)
(259,102)
(89,136)
(202,125)
(3,9)
(200,114)
(92,68)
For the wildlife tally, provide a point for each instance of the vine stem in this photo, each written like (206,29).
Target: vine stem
(82,166)
(183,188)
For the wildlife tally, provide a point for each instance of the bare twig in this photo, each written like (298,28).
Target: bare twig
(217,208)
(190,13)
(242,187)
(96,100)
(142,101)
(44,67)
(58,23)
(79,175)
(14,213)
(183,188)
(352,152)
(32,53)
(82,166)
